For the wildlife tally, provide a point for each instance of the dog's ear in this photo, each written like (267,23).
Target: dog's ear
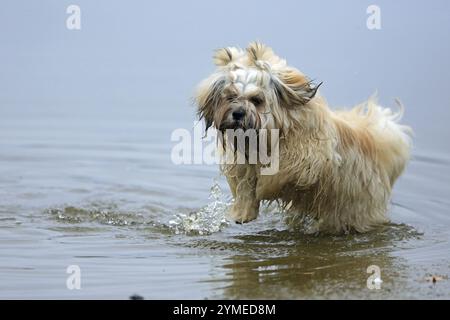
(208,97)
(224,56)
(292,88)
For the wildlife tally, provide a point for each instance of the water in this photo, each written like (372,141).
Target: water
(86,177)
(111,202)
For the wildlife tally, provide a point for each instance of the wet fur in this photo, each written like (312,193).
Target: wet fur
(337,167)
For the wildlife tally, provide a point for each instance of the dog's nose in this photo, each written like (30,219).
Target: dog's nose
(238,114)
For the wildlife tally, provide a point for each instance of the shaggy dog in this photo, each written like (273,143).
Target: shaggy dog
(335,167)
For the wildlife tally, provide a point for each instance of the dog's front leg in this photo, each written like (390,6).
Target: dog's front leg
(242,180)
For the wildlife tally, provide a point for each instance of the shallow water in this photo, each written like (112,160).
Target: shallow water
(112,203)
(86,177)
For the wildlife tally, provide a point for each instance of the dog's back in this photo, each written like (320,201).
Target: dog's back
(377,132)
(352,190)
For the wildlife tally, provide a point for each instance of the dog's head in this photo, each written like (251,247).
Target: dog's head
(252,89)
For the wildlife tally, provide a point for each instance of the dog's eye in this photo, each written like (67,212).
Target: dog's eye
(256,101)
(231,97)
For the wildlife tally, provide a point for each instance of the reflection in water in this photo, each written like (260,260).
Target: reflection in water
(281,263)
(311,267)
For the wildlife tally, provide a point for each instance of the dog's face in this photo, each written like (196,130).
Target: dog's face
(251,89)
(242,100)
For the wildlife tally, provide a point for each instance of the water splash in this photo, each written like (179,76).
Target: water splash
(207,220)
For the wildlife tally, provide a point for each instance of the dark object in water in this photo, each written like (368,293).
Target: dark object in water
(435,278)
(136,297)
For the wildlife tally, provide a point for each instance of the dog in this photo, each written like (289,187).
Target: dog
(336,167)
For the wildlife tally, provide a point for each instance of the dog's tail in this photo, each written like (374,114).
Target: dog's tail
(393,138)
(385,119)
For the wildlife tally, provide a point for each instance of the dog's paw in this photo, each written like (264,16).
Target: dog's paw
(243,215)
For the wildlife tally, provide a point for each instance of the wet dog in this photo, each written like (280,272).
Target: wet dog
(336,167)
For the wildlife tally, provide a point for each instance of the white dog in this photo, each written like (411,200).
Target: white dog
(336,167)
